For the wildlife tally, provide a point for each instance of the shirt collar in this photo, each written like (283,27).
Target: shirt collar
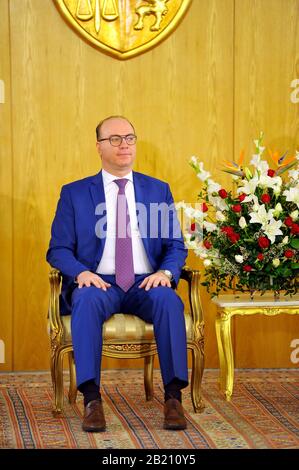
(108,178)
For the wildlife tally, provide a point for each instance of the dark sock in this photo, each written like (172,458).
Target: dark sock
(90,391)
(173,389)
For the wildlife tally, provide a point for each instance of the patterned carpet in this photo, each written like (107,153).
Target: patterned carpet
(263,414)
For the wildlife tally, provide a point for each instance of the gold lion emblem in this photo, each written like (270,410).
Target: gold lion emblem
(157,8)
(123,28)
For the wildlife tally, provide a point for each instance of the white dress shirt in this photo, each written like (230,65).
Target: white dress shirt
(140,259)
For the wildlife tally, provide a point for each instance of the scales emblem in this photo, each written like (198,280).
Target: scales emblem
(123,28)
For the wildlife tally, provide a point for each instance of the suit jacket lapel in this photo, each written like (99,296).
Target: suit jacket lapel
(97,189)
(98,196)
(142,210)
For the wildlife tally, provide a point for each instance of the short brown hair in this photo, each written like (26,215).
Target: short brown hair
(98,128)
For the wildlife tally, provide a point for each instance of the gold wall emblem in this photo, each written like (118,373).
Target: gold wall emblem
(123,28)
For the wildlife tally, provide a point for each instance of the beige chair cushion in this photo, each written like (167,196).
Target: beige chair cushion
(126,328)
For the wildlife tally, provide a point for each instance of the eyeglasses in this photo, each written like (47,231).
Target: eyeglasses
(116,140)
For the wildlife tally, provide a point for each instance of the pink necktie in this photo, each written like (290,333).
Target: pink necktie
(124,267)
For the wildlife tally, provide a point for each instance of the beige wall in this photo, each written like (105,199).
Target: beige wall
(208,89)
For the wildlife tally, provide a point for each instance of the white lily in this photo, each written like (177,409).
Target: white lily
(218,202)
(209,226)
(266,181)
(292,195)
(294,174)
(212,187)
(252,197)
(259,164)
(261,216)
(189,211)
(272,229)
(263,167)
(249,186)
(191,244)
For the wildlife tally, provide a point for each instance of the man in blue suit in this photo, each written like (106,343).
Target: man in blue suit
(117,241)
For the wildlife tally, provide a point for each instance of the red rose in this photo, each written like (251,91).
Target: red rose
(263,242)
(192,227)
(234,237)
(271,173)
(289,253)
(288,221)
(260,256)
(247,268)
(227,230)
(207,244)
(265,198)
(222,193)
(237,208)
(204,207)
(242,197)
(295,229)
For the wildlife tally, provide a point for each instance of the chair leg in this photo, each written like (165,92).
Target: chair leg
(58,390)
(53,371)
(148,377)
(196,378)
(73,387)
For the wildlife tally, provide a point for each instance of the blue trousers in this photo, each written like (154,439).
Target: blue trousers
(160,306)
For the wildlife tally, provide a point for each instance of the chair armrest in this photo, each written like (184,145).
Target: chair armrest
(192,276)
(55,279)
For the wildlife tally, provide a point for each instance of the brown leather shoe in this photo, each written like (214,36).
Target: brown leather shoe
(174,415)
(94,419)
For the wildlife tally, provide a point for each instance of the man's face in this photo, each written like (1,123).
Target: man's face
(116,159)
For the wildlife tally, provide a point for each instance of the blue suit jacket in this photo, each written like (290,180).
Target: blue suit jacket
(75,247)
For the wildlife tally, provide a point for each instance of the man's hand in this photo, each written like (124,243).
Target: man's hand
(87,278)
(155,280)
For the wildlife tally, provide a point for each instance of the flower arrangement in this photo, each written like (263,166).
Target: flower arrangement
(248,237)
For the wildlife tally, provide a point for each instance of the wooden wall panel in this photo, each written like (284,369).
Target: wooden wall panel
(208,89)
(266,62)
(6,320)
(178,95)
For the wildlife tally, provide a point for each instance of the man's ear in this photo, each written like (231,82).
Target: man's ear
(98,149)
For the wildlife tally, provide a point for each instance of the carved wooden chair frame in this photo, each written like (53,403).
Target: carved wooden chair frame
(119,348)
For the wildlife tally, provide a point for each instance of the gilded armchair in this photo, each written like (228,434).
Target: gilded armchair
(125,336)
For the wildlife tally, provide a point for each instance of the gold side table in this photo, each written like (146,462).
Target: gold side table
(229,305)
